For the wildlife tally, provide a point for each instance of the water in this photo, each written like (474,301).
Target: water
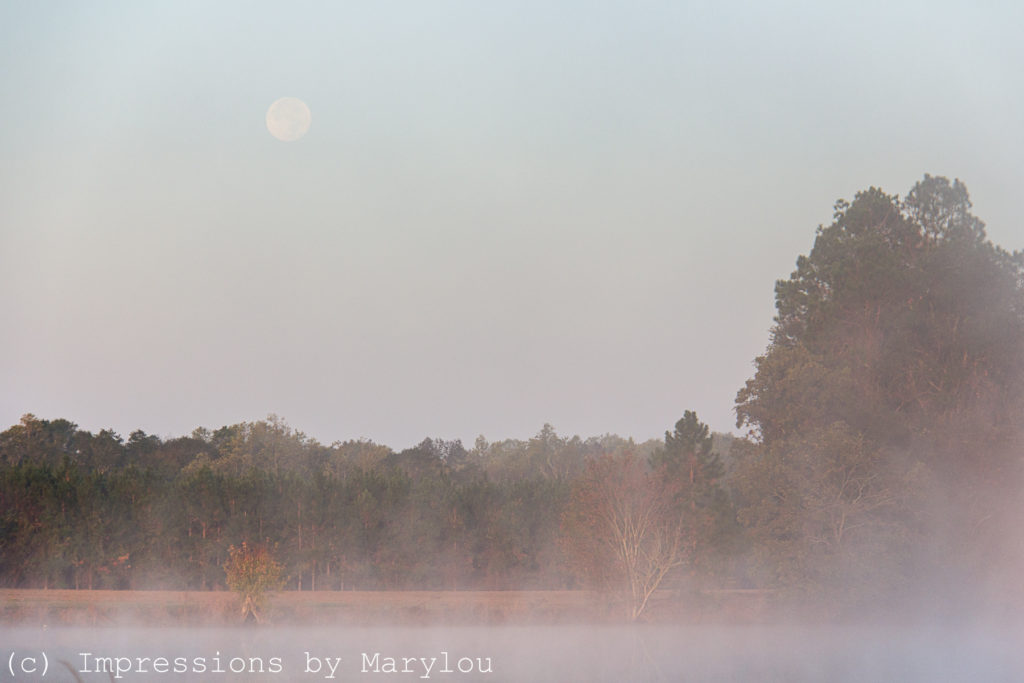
(528,653)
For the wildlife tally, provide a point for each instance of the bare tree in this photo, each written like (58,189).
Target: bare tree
(626,527)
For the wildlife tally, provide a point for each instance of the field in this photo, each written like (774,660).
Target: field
(84,608)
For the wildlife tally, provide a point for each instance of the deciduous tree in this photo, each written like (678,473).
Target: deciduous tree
(624,527)
(252,572)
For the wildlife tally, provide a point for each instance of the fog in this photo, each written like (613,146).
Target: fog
(557,214)
(769,652)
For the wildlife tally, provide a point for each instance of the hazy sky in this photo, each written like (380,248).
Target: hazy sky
(504,214)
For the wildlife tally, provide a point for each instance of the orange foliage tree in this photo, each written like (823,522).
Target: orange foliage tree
(251,572)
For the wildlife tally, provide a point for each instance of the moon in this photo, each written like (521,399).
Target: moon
(288,119)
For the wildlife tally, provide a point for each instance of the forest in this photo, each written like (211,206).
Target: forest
(880,458)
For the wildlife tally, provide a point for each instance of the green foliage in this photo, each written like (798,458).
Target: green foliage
(688,451)
(79,510)
(903,319)
(897,357)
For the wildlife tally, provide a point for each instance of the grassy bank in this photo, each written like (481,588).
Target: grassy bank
(82,607)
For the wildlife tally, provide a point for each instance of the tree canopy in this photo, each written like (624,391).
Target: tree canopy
(896,358)
(903,320)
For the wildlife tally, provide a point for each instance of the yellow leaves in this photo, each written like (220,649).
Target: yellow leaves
(251,572)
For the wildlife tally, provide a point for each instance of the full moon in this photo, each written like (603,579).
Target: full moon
(288,119)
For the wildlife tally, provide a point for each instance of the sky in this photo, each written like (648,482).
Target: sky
(503,214)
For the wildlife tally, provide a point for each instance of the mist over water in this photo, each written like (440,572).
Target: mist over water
(792,652)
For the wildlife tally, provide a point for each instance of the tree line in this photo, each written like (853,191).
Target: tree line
(84,510)
(881,457)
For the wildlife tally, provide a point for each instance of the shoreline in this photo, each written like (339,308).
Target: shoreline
(315,608)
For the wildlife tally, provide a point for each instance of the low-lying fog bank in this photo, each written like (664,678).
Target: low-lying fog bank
(864,652)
